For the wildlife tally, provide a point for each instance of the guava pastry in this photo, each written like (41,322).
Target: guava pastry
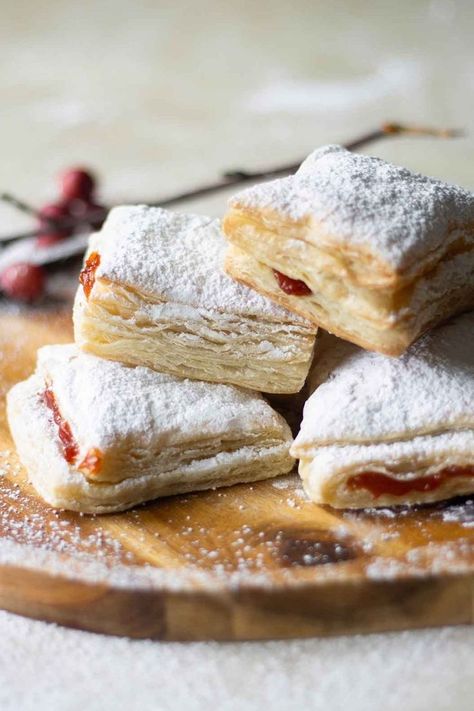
(379,431)
(99,436)
(154,293)
(371,252)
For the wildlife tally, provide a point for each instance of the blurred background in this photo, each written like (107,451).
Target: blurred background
(158,96)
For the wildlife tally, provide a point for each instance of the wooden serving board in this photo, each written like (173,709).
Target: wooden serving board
(246,562)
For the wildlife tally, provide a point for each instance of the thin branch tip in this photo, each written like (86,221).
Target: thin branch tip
(407,129)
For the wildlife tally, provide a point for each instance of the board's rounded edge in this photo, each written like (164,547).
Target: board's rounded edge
(246,612)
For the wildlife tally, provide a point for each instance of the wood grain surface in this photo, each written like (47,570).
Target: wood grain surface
(247,562)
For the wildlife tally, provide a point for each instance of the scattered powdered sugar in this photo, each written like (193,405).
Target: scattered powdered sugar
(282,483)
(25,530)
(362,201)
(176,257)
(148,407)
(460,512)
(369,397)
(453,557)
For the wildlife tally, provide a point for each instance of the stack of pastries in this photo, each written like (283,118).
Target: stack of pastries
(181,323)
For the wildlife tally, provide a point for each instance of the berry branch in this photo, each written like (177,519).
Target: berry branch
(19,204)
(77,211)
(77,187)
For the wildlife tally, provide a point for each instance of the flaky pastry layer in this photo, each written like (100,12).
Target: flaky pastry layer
(122,324)
(384,320)
(331,475)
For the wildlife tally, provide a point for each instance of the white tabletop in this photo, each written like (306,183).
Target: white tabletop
(45,667)
(161,96)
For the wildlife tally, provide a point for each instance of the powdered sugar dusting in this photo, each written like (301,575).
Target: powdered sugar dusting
(459,513)
(23,522)
(397,215)
(148,407)
(370,397)
(176,257)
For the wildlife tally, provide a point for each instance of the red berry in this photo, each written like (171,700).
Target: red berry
(53,211)
(76,184)
(49,233)
(23,281)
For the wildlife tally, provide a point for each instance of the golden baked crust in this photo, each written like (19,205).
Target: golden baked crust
(368,319)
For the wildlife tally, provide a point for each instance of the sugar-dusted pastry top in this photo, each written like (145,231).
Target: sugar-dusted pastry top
(106,402)
(176,257)
(364,202)
(369,397)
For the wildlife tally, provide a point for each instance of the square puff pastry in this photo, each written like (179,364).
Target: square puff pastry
(380,431)
(98,436)
(385,253)
(156,295)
